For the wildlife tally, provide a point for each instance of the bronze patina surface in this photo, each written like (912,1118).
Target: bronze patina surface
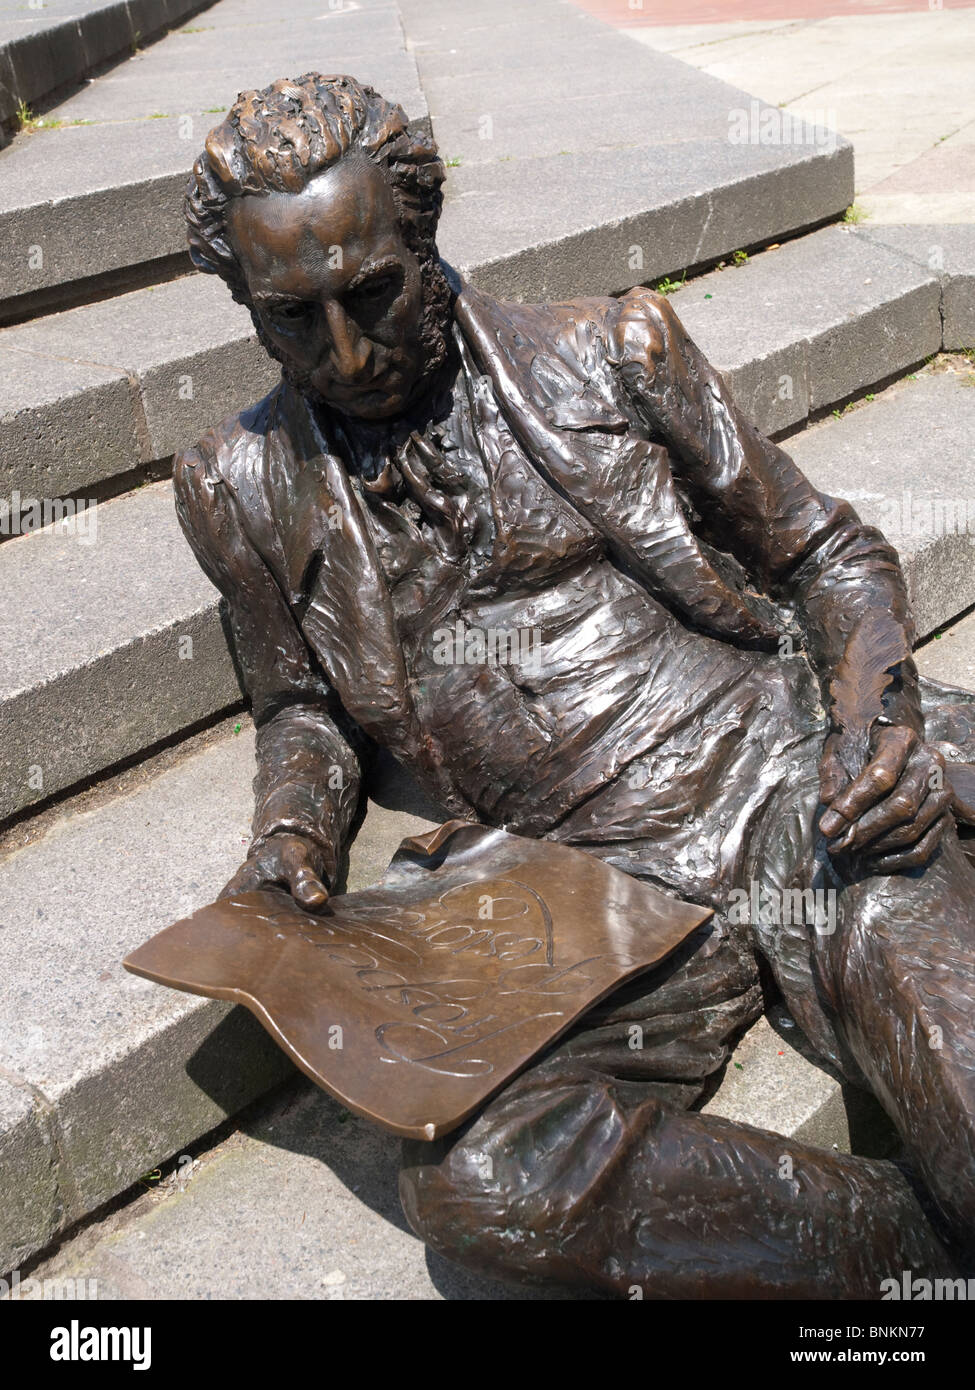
(415,1000)
(537,554)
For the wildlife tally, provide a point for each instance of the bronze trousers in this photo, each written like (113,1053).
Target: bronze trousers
(593,1170)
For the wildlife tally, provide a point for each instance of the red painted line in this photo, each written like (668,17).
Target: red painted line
(633,14)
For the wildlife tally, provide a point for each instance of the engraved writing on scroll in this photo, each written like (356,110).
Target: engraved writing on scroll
(415,1000)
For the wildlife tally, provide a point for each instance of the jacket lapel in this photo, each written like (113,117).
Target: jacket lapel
(620,482)
(320,545)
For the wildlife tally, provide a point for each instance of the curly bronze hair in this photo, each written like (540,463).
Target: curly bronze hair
(277,139)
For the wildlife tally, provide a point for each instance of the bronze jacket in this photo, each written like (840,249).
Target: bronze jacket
(621,414)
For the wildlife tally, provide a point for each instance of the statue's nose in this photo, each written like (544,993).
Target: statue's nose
(349,351)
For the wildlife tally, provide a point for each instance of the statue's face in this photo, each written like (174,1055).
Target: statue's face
(335,287)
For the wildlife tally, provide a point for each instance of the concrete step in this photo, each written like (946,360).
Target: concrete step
(94,392)
(904,461)
(93,627)
(816,320)
(949,250)
(99,187)
(537,206)
(102,1074)
(50,46)
(310,1193)
(111,638)
(560,191)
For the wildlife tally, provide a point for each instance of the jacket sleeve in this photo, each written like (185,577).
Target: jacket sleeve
(309,754)
(799,544)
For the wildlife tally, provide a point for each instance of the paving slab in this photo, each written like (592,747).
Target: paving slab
(904,461)
(127,1072)
(948,251)
(720,38)
(861,72)
(812,322)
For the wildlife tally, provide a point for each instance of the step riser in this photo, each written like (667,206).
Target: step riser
(694,232)
(97,715)
(55,243)
(151,371)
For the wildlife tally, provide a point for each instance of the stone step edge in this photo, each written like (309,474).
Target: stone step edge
(35,67)
(238,367)
(563,262)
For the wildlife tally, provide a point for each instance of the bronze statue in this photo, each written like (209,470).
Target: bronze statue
(536,553)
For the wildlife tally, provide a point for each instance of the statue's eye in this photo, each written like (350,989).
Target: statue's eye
(291,315)
(374,291)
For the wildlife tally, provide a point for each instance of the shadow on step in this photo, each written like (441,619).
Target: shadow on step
(302,1119)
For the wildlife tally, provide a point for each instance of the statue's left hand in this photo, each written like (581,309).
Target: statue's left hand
(891,816)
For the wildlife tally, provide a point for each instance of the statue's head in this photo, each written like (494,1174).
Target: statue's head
(318,205)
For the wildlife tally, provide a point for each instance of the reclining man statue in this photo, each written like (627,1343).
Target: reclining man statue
(716,692)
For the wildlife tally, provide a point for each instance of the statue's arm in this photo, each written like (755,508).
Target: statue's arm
(843,577)
(308,754)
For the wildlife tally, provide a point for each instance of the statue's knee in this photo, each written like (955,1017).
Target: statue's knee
(518,1184)
(418,1187)
(450,1194)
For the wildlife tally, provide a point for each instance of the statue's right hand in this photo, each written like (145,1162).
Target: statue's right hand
(284,860)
